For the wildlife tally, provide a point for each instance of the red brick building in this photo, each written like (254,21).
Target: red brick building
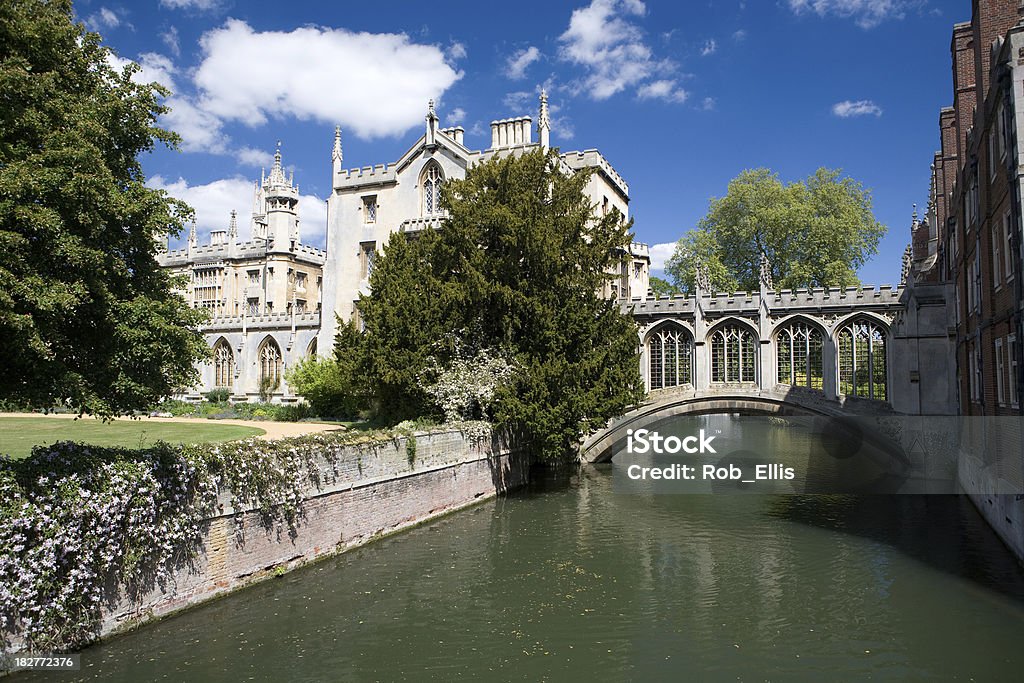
(972,233)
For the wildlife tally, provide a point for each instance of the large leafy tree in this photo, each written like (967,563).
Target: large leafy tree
(87,318)
(814,233)
(515,272)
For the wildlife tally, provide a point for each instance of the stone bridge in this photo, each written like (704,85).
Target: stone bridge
(852,351)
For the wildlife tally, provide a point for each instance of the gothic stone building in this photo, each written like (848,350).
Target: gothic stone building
(368,204)
(263,295)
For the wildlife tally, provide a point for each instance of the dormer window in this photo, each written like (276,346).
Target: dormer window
(432,180)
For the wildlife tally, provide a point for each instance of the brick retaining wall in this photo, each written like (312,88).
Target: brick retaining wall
(377,491)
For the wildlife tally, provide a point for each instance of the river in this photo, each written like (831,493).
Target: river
(569,580)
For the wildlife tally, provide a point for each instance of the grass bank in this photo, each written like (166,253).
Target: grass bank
(19,434)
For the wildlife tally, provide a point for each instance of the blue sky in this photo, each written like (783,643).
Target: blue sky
(679,96)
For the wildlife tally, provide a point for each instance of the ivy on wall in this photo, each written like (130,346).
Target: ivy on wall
(80,524)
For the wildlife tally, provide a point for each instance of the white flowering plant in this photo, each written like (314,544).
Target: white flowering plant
(79,524)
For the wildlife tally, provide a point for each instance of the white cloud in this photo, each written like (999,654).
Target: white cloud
(516,101)
(520,61)
(660,254)
(708,104)
(612,50)
(104,18)
(710,47)
(250,156)
(200,130)
(848,108)
(663,90)
(456,51)
(170,38)
(214,201)
(153,67)
(456,116)
(382,88)
(865,13)
(201,5)
(740,35)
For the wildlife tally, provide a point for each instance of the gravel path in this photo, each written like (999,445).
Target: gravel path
(274,430)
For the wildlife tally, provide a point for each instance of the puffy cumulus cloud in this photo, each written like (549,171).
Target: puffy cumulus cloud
(664,90)
(866,13)
(519,62)
(214,202)
(848,108)
(660,254)
(611,48)
(710,47)
(381,88)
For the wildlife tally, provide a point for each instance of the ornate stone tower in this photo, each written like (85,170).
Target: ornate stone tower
(280,199)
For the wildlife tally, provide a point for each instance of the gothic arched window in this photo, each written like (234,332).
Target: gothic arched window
(733,355)
(670,354)
(862,365)
(799,359)
(270,365)
(432,181)
(223,364)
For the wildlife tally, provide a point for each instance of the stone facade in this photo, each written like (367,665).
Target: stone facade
(887,346)
(263,295)
(369,204)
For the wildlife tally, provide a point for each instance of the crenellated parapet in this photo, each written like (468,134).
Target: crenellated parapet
(262,321)
(380,173)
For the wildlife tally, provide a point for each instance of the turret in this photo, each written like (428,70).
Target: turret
(281,199)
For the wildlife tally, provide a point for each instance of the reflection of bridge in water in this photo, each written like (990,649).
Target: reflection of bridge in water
(853,351)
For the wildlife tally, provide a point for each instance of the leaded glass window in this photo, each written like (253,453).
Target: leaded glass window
(432,180)
(223,364)
(799,356)
(733,355)
(670,354)
(862,363)
(270,364)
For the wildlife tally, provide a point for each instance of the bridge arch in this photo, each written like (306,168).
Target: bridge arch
(599,447)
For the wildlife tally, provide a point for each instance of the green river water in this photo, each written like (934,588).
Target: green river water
(570,581)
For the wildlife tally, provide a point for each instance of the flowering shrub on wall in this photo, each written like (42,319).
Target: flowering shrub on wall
(79,522)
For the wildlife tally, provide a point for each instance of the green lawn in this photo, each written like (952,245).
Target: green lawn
(19,434)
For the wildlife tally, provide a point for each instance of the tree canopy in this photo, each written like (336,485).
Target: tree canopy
(87,318)
(814,233)
(509,282)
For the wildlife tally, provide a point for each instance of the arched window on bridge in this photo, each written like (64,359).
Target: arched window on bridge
(670,354)
(733,355)
(798,353)
(862,368)
(223,365)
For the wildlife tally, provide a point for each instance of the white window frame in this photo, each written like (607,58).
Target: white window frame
(1007,243)
(997,266)
(1011,385)
(1000,373)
